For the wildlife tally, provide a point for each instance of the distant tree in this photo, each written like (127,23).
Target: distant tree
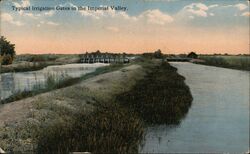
(98,52)
(158,54)
(192,55)
(7,51)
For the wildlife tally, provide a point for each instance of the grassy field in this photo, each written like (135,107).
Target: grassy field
(234,62)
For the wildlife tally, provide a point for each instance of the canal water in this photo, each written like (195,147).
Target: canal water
(218,120)
(11,83)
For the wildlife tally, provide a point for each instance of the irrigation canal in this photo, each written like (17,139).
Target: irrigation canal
(218,120)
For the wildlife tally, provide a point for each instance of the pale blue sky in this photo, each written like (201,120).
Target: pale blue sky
(225,23)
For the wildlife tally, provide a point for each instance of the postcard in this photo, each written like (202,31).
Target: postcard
(124,76)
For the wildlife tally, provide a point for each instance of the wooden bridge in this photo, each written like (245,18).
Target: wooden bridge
(104,59)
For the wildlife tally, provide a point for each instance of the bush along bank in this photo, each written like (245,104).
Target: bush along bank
(109,129)
(161,97)
(118,126)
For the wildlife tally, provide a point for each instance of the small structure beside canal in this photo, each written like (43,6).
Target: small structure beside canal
(98,57)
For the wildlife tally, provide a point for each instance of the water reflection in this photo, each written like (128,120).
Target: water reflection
(11,83)
(218,120)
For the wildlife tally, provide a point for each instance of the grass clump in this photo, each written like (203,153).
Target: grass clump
(109,129)
(161,97)
(234,62)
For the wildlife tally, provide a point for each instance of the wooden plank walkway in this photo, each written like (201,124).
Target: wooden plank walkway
(103,59)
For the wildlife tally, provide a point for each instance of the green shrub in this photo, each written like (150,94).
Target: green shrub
(161,97)
(6,59)
(109,129)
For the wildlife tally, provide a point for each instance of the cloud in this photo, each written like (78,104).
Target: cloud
(150,16)
(247,14)
(96,14)
(191,17)
(49,13)
(156,17)
(52,23)
(8,18)
(213,6)
(26,3)
(201,13)
(161,0)
(113,29)
(201,6)
(197,9)
(106,14)
(101,14)
(23,3)
(31,15)
(241,6)
(93,14)
(211,14)
(68,4)
(196,6)
(124,15)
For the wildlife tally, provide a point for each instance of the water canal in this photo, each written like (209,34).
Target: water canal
(218,120)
